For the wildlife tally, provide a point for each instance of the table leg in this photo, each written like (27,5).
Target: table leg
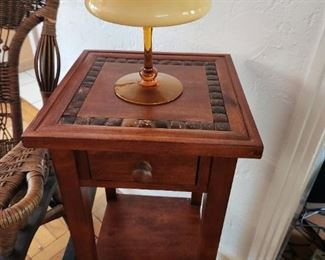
(196,198)
(110,194)
(76,206)
(215,206)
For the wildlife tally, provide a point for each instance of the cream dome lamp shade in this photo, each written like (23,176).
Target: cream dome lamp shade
(148,87)
(154,13)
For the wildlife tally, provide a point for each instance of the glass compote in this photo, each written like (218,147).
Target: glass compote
(148,87)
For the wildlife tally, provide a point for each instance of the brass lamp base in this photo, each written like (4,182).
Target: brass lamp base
(167,89)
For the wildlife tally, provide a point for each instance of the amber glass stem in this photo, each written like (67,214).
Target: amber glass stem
(148,73)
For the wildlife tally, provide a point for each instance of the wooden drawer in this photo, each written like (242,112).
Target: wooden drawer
(143,168)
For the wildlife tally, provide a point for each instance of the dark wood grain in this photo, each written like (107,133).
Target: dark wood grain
(82,164)
(215,205)
(204,168)
(117,108)
(76,204)
(165,169)
(204,164)
(140,227)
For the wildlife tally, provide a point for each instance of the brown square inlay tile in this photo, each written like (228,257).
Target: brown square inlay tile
(201,106)
(183,108)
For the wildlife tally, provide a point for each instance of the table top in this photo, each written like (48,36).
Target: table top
(210,118)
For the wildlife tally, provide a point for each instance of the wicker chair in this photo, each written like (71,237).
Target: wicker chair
(24,172)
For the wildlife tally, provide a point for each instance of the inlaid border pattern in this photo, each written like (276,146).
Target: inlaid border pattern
(220,118)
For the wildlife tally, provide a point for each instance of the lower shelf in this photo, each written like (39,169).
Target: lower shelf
(143,227)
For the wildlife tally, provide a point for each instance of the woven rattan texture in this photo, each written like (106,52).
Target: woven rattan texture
(12,14)
(13,11)
(19,169)
(22,170)
(220,119)
(17,18)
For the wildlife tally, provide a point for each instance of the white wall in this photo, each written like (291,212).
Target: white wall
(271,42)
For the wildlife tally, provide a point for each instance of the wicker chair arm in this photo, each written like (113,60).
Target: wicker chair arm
(21,164)
(18,212)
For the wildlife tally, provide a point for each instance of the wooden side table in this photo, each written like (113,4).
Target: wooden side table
(191,144)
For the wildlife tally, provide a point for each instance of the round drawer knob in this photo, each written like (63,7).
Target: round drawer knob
(142,173)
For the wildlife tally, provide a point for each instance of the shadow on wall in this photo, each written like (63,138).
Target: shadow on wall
(271,96)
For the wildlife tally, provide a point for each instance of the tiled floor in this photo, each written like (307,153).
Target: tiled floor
(29,89)
(51,239)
